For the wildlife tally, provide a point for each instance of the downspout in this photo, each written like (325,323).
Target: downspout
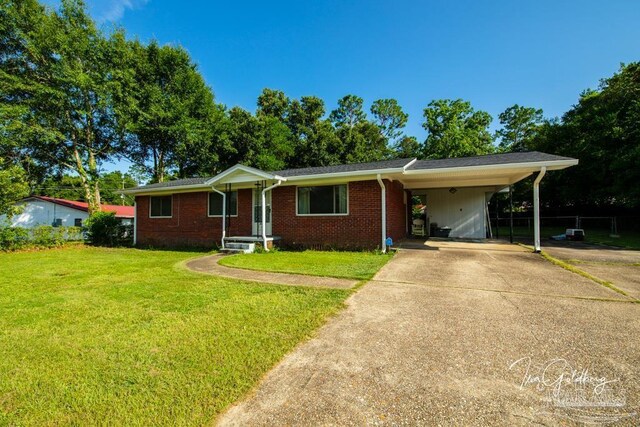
(135,223)
(536,209)
(264,213)
(224,213)
(383,205)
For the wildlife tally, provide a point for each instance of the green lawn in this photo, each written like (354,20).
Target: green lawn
(351,265)
(124,337)
(629,240)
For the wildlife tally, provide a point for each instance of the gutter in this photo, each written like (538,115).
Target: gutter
(224,213)
(383,205)
(551,165)
(264,213)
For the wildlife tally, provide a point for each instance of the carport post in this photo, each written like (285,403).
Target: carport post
(510,214)
(536,209)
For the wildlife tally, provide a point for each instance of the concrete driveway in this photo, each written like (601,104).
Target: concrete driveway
(618,266)
(462,334)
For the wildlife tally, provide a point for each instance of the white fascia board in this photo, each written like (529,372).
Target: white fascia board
(550,165)
(360,173)
(243,168)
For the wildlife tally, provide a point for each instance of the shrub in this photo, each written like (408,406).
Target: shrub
(14,238)
(47,236)
(43,236)
(104,229)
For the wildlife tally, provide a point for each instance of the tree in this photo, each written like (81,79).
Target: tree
(13,187)
(263,142)
(315,140)
(389,117)
(174,113)
(273,103)
(455,129)
(111,183)
(349,112)
(603,131)
(519,127)
(63,82)
(362,140)
(408,147)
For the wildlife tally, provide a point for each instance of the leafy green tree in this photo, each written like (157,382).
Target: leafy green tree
(603,131)
(60,84)
(408,147)
(389,117)
(349,112)
(455,129)
(13,187)
(363,143)
(519,127)
(362,140)
(273,103)
(315,140)
(263,142)
(111,183)
(61,187)
(174,113)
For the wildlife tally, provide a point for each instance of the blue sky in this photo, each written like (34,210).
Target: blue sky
(491,53)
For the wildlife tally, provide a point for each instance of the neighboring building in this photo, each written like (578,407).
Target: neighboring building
(42,210)
(347,206)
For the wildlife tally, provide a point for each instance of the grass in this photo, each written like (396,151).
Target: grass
(627,239)
(124,337)
(350,265)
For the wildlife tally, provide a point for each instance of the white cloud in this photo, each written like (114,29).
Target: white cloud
(113,10)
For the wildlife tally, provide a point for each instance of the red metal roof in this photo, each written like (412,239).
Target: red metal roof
(120,211)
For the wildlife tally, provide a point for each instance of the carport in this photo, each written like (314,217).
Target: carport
(457,189)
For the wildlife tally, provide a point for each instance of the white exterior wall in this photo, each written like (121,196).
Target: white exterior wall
(463,211)
(40,212)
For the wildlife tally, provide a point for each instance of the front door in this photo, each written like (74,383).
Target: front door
(256,229)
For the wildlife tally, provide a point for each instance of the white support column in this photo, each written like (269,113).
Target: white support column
(536,209)
(135,223)
(224,214)
(383,205)
(264,213)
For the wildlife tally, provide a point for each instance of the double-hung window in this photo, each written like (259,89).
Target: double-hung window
(215,204)
(161,207)
(323,200)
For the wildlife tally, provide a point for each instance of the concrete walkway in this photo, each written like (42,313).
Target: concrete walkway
(432,340)
(209,265)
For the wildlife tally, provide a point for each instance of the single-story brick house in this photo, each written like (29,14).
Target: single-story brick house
(354,205)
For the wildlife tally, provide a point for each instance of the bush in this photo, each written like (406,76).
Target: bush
(104,229)
(44,236)
(14,238)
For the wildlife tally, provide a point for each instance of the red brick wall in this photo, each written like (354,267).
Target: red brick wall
(396,211)
(189,224)
(359,229)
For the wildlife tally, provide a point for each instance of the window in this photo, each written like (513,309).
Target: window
(160,206)
(215,204)
(324,200)
(77,222)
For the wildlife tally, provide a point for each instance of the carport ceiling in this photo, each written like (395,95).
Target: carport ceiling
(472,178)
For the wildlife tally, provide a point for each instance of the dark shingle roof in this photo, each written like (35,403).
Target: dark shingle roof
(353,167)
(489,159)
(175,183)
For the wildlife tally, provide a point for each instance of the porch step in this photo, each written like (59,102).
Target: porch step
(236,247)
